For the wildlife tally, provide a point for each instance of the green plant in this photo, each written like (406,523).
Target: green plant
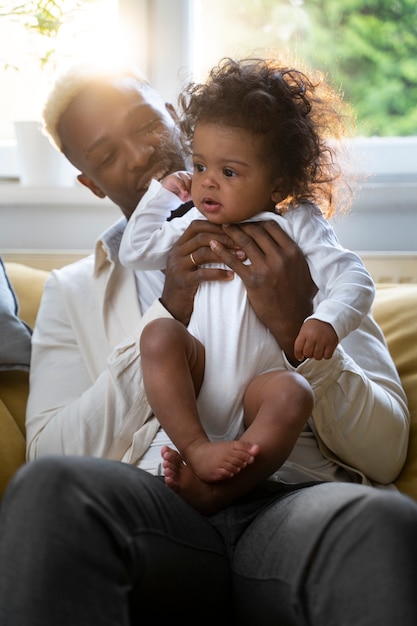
(44,19)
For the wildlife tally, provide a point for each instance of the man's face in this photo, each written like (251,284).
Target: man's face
(120,135)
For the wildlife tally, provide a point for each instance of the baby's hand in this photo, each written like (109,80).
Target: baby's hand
(179,183)
(316,340)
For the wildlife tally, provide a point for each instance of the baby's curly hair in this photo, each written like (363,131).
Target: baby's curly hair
(302,119)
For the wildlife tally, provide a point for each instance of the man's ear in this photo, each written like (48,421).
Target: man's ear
(87,182)
(170,108)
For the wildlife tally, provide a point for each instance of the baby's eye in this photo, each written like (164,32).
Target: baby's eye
(199,167)
(229,173)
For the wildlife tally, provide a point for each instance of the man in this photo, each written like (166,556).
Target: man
(94,541)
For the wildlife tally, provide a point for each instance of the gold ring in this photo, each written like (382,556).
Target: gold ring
(193,259)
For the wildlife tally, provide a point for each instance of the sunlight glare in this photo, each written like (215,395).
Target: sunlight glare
(95,36)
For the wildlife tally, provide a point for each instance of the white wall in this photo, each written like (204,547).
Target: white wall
(383,216)
(384,212)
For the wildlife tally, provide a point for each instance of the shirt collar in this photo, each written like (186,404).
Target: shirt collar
(108,244)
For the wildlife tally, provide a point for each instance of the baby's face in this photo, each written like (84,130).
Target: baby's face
(231,182)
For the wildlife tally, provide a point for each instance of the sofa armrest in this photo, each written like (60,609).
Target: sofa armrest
(395,311)
(28,284)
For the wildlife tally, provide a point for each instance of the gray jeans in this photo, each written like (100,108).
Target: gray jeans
(88,542)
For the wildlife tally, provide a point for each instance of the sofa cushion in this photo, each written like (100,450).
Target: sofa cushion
(395,311)
(28,284)
(14,388)
(15,334)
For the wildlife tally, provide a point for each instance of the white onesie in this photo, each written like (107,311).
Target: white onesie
(238,346)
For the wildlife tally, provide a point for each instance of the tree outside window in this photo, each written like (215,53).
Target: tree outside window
(368,48)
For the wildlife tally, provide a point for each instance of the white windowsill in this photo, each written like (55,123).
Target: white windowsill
(52,218)
(12,193)
(383,216)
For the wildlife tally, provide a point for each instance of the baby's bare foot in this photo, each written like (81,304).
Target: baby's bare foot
(220,460)
(180,478)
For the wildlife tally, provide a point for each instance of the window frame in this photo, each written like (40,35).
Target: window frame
(387,200)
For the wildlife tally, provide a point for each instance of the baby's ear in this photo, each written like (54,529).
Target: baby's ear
(277,194)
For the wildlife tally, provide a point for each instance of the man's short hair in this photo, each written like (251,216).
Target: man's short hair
(70,83)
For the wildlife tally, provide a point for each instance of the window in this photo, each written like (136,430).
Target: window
(367,48)
(25,74)
(173,41)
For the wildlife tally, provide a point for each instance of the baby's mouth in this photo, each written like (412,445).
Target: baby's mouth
(209,203)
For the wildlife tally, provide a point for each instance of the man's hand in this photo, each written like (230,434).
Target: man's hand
(183,273)
(278,281)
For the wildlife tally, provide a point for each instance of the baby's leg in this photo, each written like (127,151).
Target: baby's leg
(173,371)
(277,406)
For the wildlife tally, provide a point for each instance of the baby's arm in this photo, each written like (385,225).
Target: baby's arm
(149,236)
(316,340)
(179,183)
(345,288)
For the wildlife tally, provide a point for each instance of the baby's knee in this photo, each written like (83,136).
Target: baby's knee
(159,335)
(296,397)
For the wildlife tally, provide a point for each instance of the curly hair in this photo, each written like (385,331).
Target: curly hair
(301,119)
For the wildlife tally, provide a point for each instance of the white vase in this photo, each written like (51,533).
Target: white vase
(40,164)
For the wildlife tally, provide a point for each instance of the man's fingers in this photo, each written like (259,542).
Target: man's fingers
(278,234)
(228,258)
(211,274)
(260,239)
(248,237)
(199,234)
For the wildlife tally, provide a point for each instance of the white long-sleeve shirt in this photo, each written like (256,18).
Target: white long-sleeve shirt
(86,390)
(238,346)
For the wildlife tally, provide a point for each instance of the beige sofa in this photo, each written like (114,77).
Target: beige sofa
(395,310)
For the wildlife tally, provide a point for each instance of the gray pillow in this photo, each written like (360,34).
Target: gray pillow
(15,334)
